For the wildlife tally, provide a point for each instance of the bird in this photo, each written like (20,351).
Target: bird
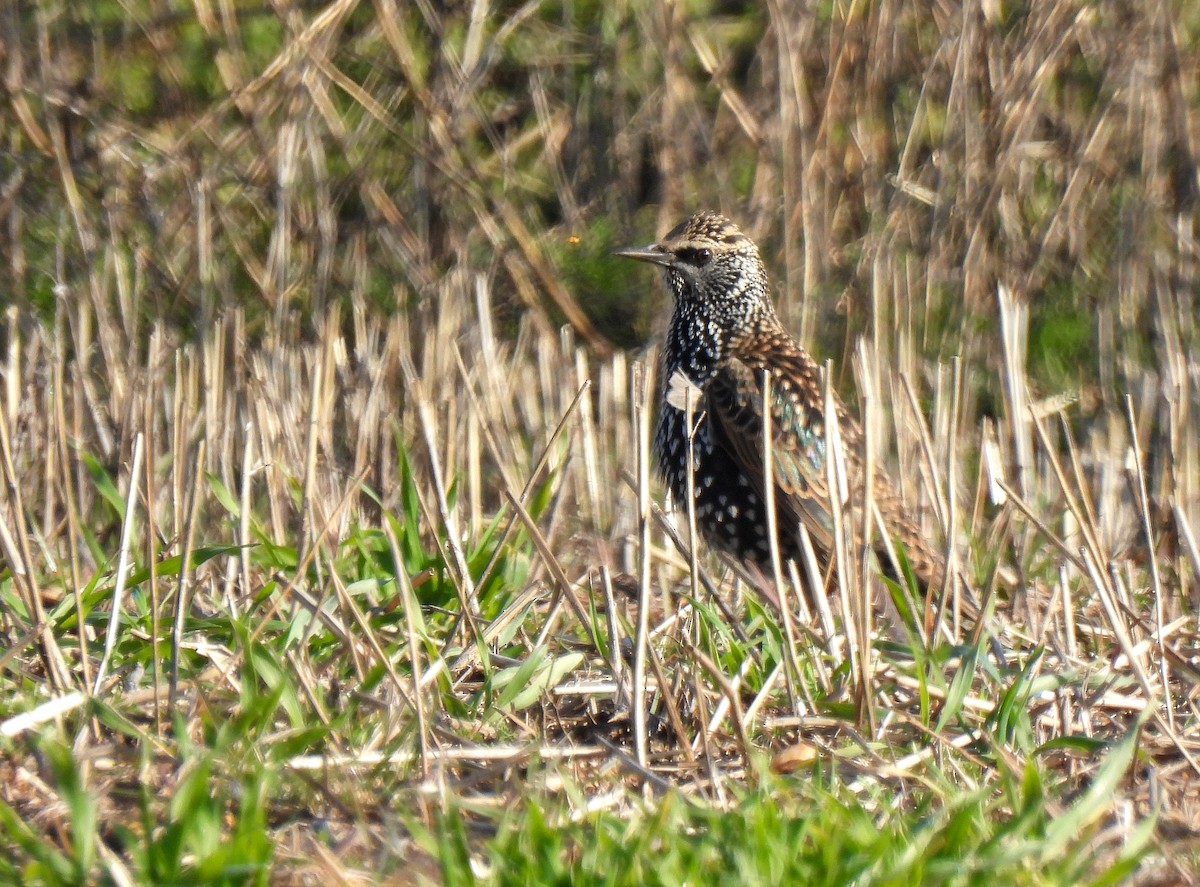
(723,343)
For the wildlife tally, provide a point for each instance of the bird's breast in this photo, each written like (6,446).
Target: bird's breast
(729,513)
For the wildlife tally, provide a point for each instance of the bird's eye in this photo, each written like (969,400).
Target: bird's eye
(696,257)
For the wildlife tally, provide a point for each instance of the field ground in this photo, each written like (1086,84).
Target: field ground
(331,550)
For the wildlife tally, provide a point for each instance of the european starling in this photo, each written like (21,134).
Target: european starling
(724,339)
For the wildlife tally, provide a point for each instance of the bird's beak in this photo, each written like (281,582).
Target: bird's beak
(653,253)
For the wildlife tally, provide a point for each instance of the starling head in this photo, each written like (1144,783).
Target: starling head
(720,287)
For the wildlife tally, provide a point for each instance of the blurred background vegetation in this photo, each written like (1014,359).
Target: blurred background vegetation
(164,161)
(343,272)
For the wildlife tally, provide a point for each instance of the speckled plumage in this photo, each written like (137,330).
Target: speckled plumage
(724,337)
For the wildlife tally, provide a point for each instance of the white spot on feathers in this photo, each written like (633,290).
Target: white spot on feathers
(681,389)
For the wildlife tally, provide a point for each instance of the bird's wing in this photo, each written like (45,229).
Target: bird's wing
(799,466)
(799,451)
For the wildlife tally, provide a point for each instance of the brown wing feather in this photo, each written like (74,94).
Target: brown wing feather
(735,402)
(799,468)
